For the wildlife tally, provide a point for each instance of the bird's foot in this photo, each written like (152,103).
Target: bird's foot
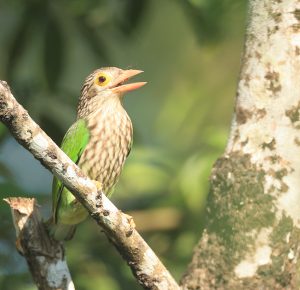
(99,192)
(130,221)
(98,185)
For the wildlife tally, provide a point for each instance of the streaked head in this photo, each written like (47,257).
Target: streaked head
(104,84)
(111,80)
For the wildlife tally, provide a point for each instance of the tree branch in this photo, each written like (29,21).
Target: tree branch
(145,265)
(44,256)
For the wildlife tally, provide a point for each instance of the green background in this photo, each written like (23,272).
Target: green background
(190,52)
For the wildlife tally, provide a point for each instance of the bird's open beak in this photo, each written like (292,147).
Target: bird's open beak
(119,87)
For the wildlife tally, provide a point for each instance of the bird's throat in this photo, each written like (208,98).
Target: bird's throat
(99,104)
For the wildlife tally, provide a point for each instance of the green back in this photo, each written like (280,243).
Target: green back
(73,144)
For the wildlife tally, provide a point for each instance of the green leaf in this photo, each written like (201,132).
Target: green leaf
(193,180)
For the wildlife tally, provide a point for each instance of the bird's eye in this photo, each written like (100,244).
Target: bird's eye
(102,80)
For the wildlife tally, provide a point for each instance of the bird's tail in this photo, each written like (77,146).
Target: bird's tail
(60,232)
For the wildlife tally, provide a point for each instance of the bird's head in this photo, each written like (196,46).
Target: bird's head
(105,85)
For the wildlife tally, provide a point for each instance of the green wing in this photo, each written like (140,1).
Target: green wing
(73,144)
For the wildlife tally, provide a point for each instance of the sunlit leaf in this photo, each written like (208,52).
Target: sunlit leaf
(151,169)
(193,180)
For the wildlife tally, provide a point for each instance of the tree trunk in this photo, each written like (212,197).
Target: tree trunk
(252,234)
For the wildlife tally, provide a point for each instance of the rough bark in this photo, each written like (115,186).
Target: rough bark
(145,265)
(45,256)
(252,238)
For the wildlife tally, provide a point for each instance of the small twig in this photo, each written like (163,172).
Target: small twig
(44,256)
(145,265)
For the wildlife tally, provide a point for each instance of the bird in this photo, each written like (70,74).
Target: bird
(99,141)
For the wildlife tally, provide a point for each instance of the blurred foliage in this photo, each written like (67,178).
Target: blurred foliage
(189,50)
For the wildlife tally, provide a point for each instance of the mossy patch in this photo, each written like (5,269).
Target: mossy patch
(282,273)
(261,113)
(274,159)
(270,145)
(238,206)
(273,80)
(297,141)
(242,115)
(238,184)
(294,115)
(277,17)
(296,27)
(297,14)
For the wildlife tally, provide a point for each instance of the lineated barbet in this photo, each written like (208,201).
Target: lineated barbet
(98,142)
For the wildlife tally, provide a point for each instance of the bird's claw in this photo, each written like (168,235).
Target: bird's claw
(98,185)
(99,192)
(130,221)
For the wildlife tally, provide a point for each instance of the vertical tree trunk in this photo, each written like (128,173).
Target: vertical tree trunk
(252,238)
